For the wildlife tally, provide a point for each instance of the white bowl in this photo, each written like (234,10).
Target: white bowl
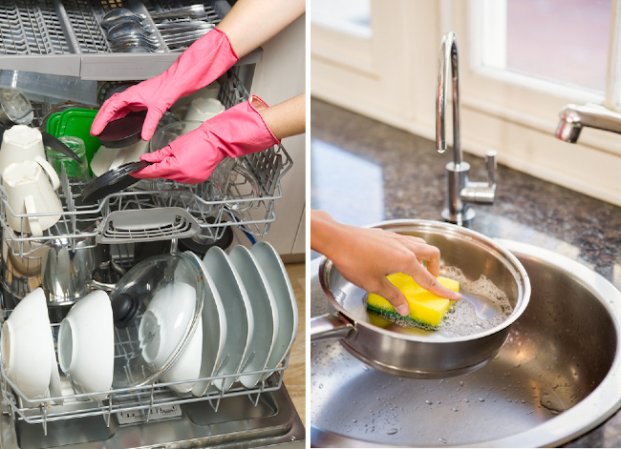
(188,364)
(26,341)
(86,344)
(238,312)
(264,309)
(55,386)
(106,159)
(271,266)
(164,324)
(202,109)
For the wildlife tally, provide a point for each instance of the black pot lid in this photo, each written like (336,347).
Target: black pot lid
(112,181)
(124,131)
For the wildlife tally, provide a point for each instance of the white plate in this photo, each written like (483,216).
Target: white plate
(278,280)
(264,310)
(238,315)
(214,335)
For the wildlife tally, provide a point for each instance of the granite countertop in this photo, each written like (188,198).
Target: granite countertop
(364,171)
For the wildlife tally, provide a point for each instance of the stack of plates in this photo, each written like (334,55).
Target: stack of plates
(249,317)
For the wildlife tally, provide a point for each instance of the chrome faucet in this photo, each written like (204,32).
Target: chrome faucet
(573,118)
(461,190)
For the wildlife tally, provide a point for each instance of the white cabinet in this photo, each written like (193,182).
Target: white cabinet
(278,76)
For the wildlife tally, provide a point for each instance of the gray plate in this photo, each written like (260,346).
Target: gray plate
(264,312)
(238,315)
(274,271)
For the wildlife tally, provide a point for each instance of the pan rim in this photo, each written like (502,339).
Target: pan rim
(511,261)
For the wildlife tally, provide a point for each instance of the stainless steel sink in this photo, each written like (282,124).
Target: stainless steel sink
(557,376)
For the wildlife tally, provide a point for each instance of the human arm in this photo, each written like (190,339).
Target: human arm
(245,128)
(249,24)
(287,118)
(365,256)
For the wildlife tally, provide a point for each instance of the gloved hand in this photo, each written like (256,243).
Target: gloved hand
(192,157)
(202,63)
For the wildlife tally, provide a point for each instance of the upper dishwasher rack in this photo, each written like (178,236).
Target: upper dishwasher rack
(161,209)
(64,37)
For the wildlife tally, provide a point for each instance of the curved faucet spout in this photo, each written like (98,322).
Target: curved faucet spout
(449,68)
(460,190)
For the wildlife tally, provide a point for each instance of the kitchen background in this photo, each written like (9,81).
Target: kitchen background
(374,81)
(380,59)
(56,52)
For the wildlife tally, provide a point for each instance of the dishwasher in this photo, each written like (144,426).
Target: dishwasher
(57,49)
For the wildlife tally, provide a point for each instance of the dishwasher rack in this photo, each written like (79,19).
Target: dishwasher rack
(129,405)
(64,37)
(162,210)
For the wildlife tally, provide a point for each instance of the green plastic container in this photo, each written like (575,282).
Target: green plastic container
(75,122)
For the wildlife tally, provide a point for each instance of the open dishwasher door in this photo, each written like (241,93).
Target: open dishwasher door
(238,422)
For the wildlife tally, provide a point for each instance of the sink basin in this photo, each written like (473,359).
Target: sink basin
(556,377)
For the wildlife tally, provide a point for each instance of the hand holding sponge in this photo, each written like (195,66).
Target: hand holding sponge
(426,309)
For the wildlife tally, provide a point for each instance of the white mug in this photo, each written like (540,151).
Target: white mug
(30,188)
(20,143)
(202,109)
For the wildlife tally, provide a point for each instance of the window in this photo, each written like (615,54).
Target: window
(559,41)
(520,63)
(347,16)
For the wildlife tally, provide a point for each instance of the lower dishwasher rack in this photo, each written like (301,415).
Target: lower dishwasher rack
(131,404)
(162,210)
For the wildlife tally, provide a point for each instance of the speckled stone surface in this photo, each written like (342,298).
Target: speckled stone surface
(363,171)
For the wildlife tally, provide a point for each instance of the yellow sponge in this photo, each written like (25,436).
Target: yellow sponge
(426,309)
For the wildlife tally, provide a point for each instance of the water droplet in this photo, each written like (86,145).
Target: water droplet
(461,383)
(320,386)
(428,402)
(354,420)
(481,399)
(392,431)
(455,409)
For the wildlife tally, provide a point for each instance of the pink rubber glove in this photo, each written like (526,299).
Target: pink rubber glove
(192,157)
(202,63)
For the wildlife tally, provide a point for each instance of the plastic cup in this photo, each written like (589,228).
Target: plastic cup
(76,171)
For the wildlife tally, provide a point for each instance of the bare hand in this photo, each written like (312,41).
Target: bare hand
(365,256)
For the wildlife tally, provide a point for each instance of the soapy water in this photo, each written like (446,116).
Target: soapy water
(461,320)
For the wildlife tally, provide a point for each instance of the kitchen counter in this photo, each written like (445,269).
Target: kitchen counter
(363,172)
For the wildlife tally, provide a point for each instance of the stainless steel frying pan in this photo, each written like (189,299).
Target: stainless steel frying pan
(416,353)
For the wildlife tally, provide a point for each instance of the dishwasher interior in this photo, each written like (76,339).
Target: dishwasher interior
(64,39)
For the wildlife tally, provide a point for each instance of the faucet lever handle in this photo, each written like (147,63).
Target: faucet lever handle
(490,163)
